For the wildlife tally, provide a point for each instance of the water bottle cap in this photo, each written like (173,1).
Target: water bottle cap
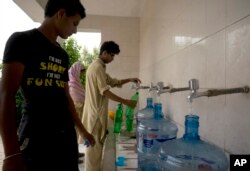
(120,161)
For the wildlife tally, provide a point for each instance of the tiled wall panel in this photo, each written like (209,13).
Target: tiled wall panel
(209,41)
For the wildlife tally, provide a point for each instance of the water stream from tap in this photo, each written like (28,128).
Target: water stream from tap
(191,107)
(158,98)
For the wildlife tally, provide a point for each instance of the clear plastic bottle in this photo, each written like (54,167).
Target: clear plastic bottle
(190,153)
(152,134)
(118,118)
(130,113)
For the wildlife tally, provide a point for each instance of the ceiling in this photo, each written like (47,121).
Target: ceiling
(121,8)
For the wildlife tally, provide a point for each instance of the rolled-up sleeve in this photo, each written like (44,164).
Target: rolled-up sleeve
(113,82)
(101,80)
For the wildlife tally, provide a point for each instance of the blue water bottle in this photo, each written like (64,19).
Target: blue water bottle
(147,112)
(152,134)
(144,114)
(190,153)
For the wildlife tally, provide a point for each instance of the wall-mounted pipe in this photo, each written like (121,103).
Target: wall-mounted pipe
(170,89)
(162,89)
(139,86)
(194,86)
(152,87)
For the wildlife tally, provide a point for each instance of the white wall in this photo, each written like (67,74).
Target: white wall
(214,48)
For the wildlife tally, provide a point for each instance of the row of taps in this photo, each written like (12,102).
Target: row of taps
(193,86)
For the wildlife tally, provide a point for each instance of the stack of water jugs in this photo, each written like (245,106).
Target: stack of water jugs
(159,150)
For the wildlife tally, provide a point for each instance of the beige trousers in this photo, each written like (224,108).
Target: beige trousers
(93,155)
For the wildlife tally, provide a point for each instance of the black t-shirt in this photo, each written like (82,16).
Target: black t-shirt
(45,75)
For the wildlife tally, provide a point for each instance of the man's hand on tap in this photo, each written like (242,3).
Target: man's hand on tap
(135,80)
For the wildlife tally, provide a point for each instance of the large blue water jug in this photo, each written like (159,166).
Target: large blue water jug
(143,114)
(152,134)
(147,112)
(190,153)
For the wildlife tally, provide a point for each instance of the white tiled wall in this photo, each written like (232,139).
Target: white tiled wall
(208,40)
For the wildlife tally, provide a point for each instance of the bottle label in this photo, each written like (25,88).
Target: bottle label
(148,141)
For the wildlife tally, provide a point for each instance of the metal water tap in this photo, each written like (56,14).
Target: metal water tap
(152,87)
(138,86)
(161,89)
(194,86)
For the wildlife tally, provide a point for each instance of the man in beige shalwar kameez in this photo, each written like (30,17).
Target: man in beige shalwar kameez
(98,84)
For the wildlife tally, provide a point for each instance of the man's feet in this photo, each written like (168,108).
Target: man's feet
(80,161)
(81,155)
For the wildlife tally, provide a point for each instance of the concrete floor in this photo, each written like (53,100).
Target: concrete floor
(81,149)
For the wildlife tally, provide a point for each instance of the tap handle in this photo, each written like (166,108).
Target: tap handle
(152,87)
(193,84)
(160,85)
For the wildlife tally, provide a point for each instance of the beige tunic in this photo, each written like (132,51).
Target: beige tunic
(96,104)
(95,113)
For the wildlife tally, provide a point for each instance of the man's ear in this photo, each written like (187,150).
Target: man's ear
(104,53)
(61,13)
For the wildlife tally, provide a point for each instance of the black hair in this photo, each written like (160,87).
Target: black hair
(110,47)
(71,7)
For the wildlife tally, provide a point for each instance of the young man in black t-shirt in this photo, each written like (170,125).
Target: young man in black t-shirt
(35,63)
